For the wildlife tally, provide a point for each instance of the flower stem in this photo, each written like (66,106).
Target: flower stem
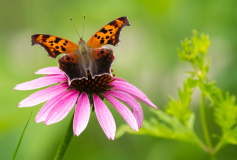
(65,141)
(204,127)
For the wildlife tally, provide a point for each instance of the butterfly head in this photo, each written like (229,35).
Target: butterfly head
(81,41)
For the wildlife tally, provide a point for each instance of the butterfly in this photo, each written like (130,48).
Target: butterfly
(84,57)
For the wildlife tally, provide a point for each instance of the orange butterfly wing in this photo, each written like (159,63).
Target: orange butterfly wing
(54,45)
(109,34)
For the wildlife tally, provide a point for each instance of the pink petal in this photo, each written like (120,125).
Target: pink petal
(43,95)
(41,82)
(130,101)
(62,107)
(49,70)
(124,111)
(104,117)
(82,114)
(44,111)
(132,90)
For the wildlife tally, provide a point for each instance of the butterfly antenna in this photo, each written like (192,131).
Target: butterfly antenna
(83,26)
(75,27)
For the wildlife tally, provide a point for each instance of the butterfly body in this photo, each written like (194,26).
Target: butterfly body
(78,59)
(84,50)
(82,47)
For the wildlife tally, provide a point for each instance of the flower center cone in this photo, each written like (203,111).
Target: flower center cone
(97,85)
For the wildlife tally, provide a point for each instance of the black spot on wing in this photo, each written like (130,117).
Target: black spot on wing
(98,37)
(103,31)
(95,35)
(64,44)
(57,40)
(63,49)
(57,47)
(107,37)
(50,41)
(102,41)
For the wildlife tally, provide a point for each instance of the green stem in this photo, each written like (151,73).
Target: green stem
(65,141)
(199,142)
(194,67)
(218,146)
(220,143)
(204,127)
(18,145)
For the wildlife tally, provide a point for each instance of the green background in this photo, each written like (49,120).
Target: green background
(146,57)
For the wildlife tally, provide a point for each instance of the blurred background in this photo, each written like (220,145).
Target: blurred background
(146,57)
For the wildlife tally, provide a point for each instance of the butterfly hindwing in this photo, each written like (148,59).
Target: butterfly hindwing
(109,34)
(73,66)
(101,61)
(54,45)
(98,62)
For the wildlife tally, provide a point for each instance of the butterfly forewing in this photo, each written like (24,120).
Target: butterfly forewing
(54,45)
(109,34)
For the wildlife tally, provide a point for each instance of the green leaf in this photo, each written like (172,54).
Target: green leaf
(190,122)
(210,90)
(122,130)
(180,107)
(231,137)
(188,53)
(226,112)
(208,65)
(165,126)
(201,42)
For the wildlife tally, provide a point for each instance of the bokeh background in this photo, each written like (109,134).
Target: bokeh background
(146,57)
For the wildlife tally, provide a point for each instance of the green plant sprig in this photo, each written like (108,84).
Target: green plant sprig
(177,121)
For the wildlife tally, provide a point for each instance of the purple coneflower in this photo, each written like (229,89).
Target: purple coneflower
(62,97)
